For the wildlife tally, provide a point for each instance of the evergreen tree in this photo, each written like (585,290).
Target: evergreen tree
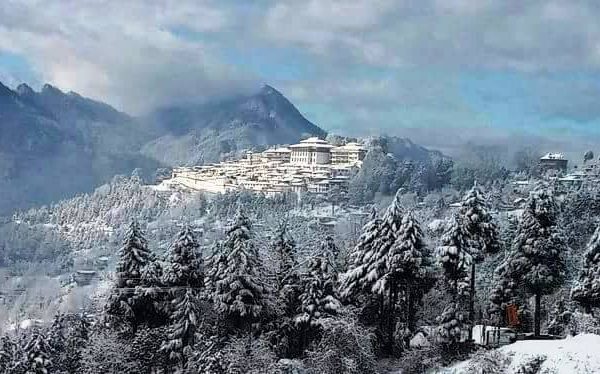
(284,249)
(288,290)
(481,233)
(185,266)
(454,257)
(57,341)
(587,289)
(503,294)
(452,328)
(387,263)
(390,224)
(150,294)
(331,251)
(369,259)
(355,280)
(536,262)
(134,256)
(238,291)
(185,278)
(478,224)
(409,265)
(319,299)
(38,353)
(185,322)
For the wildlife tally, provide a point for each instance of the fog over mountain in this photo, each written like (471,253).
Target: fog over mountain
(56,144)
(193,134)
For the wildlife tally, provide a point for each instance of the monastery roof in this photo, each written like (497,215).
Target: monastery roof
(312,142)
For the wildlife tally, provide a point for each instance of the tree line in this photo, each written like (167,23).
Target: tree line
(237,307)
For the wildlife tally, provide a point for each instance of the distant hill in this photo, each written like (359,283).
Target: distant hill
(203,133)
(55,144)
(402,148)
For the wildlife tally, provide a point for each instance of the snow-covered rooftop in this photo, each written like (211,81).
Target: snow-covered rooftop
(312,142)
(553,156)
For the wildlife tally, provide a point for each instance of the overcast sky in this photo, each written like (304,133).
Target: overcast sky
(459,67)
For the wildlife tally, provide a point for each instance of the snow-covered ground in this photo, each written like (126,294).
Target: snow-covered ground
(574,355)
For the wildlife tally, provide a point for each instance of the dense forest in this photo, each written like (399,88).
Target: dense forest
(243,283)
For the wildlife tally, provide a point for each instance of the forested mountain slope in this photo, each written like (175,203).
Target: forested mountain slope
(54,144)
(195,134)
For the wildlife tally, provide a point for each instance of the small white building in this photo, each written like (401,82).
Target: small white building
(280,154)
(554,161)
(350,153)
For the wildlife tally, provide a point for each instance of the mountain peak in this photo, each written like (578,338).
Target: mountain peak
(269,90)
(50,89)
(5,91)
(24,90)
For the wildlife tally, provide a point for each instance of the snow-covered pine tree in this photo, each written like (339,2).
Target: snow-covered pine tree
(454,257)
(284,248)
(238,292)
(502,294)
(57,341)
(38,353)
(57,334)
(185,321)
(536,260)
(332,251)
(184,276)
(134,256)
(370,272)
(586,291)
(452,328)
(369,258)
(319,299)
(288,289)
(479,225)
(409,265)
(355,280)
(184,262)
(150,294)
(390,223)
(481,233)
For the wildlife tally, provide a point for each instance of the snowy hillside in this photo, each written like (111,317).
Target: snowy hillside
(574,355)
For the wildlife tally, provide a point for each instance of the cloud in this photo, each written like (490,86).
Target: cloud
(358,66)
(123,52)
(532,35)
